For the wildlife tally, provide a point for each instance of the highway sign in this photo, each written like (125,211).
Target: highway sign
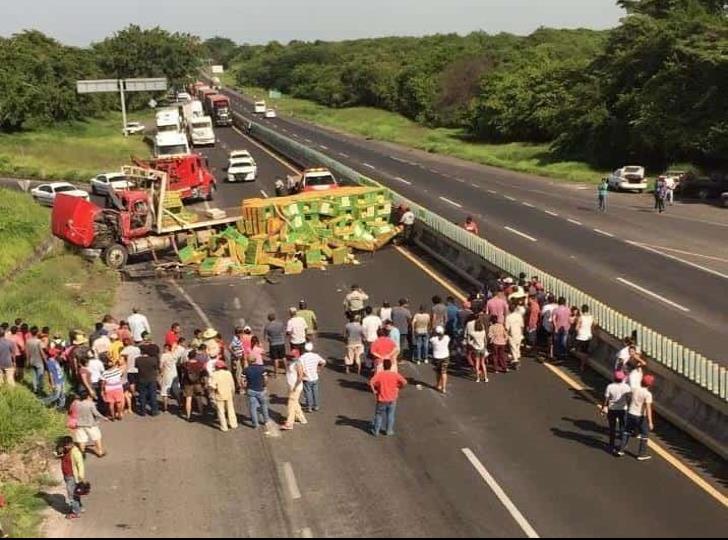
(218,69)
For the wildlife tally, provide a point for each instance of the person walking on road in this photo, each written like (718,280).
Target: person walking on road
(407,222)
(169,377)
(402,320)
(311,362)
(74,472)
(421,332)
(194,380)
(561,323)
(476,338)
(138,324)
(440,343)
(355,301)
(602,191)
(255,382)
(222,386)
(294,378)
(87,429)
(148,364)
(498,338)
(354,334)
(112,390)
(309,316)
(386,385)
(297,329)
(35,358)
(56,380)
(616,403)
(640,420)
(275,334)
(371,324)
(515,325)
(584,333)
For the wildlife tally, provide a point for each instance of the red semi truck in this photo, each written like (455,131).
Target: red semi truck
(218,108)
(136,221)
(188,174)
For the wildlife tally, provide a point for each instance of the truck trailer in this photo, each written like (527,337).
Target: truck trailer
(218,108)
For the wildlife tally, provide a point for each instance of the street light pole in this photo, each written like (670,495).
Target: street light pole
(123,107)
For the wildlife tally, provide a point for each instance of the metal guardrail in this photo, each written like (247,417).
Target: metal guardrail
(693,366)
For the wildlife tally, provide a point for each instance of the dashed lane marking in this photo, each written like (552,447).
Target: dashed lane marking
(605,233)
(492,191)
(521,234)
(448,201)
(510,198)
(342,154)
(400,179)
(505,500)
(529,205)
(550,213)
(369,166)
(262,192)
(575,222)
(653,295)
(291,482)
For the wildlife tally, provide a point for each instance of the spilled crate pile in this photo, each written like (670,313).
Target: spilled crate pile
(309,230)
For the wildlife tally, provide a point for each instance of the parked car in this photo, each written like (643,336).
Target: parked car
(270,113)
(134,128)
(46,193)
(183,97)
(703,187)
(629,178)
(102,183)
(242,169)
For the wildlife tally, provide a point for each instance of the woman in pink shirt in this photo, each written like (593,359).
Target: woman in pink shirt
(256,351)
(498,338)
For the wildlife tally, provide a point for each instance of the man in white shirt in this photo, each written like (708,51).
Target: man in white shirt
(407,222)
(311,362)
(296,329)
(138,324)
(355,301)
(515,324)
(639,418)
(616,401)
(370,324)
(102,344)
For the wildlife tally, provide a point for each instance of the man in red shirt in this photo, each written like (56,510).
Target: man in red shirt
(172,336)
(386,385)
(498,306)
(382,349)
(534,318)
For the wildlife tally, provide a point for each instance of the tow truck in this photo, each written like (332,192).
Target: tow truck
(146,218)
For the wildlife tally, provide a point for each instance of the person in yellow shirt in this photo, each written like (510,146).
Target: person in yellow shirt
(115,349)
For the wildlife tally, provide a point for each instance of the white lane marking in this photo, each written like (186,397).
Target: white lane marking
(205,319)
(675,258)
(274,156)
(262,191)
(550,213)
(475,185)
(451,202)
(605,233)
(400,179)
(574,221)
(290,478)
(324,147)
(306,532)
(510,198)
(711,257)
(342,154)
(308,140)
(395,158)
(492,191)
(461,180)
(502,497)
(653,295)
(519,233)
(528,204)
(369,166)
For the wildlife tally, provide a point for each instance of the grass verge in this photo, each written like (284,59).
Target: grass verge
(23,225)
(391,127)
(74,151)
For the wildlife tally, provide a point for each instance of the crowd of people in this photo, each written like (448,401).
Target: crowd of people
(116,369)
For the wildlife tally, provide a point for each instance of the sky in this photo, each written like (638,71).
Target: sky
(80,22)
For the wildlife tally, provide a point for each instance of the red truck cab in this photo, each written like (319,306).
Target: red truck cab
(218,107)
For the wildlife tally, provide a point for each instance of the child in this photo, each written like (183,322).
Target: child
(73,470)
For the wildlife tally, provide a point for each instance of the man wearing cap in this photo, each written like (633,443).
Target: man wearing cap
(209,338)
(639,418)
(309,316)
(311,362)
(294,378)
(296,329)
(138,324)
(616,402)
(222,385)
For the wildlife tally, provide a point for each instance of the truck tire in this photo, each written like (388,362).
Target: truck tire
(210,193)
(115,256)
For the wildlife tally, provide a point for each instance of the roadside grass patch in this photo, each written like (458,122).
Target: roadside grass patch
(23,225)
(74,151)
(392,127)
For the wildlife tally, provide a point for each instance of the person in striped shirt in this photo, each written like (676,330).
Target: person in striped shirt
(112,389)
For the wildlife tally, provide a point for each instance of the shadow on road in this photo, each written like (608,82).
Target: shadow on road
(362,425)
(54,500)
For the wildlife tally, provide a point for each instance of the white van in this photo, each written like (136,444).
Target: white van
(260,107)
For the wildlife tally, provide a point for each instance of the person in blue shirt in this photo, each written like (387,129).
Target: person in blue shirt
(451,327)
(56,377)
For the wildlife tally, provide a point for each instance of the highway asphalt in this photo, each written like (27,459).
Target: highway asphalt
(539,443)
(681,258)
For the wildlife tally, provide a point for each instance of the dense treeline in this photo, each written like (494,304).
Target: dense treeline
(653,90)
(38,74)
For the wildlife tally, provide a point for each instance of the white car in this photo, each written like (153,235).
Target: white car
(259,107)
(102,183)
(134,128)
(270,113)
(183,96)
(242,169)
(235,154)
(46,193)
(629,178)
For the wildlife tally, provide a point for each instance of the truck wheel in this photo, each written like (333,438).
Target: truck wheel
(210,193)
(115,256)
